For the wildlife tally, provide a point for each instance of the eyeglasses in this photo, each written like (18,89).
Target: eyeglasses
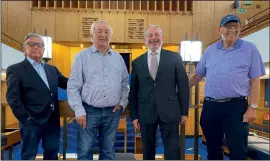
(33,44)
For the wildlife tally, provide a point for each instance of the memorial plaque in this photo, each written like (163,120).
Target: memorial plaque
(136,28)
(86,25)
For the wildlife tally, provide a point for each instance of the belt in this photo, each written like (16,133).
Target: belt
(224,100)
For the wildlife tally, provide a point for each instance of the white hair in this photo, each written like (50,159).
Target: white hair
(30,35)
(153,26)
(92,29)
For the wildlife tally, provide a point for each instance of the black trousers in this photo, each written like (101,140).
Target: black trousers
(170,139)
(219,119)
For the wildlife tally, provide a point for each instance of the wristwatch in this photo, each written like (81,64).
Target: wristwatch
(254,106)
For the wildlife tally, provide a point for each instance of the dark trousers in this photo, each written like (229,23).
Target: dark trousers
(170,139)
(219,119)
(106,122)
(32,133)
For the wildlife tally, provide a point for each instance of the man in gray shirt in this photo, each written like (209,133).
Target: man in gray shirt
(98,93)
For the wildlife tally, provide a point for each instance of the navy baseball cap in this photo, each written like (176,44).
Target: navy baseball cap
(229,18)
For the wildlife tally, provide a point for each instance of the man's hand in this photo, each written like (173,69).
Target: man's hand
(118,107)
(81,121)
(183,120)
(136,124)
(249,115)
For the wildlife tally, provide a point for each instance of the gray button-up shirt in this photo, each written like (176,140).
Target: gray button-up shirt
(98,80)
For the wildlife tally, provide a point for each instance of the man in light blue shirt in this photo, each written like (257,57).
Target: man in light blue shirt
(98,93)
(232,68)
(33,98)
(39,67)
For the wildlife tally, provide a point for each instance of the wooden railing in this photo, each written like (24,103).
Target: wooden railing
(11,42)
(252,24)
(168,6)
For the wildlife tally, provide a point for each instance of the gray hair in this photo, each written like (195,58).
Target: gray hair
(151,26)
(99,22)
(30,35)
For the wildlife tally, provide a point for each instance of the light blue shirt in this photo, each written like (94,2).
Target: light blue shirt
(39,67)
(98,80)
(228,71)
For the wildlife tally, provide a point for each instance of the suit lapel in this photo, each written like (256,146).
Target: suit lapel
(49,76)
(33,73)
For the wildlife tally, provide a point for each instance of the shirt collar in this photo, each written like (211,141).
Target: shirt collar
(95,50)
(237,44)
(33,62)
(158,51)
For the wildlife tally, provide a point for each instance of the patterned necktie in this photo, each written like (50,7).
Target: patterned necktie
(154,65)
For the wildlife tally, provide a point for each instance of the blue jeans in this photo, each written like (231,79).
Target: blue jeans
(32,133)
(106,122)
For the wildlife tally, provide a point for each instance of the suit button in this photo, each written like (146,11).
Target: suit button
(51,94)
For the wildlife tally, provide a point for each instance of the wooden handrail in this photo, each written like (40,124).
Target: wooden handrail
(19,44)
(249,25)
(258,14)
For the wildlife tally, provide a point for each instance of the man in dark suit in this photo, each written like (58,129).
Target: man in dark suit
(159,95)
(32,96)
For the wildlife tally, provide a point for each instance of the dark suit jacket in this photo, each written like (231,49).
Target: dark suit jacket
(166,97)
(28,95)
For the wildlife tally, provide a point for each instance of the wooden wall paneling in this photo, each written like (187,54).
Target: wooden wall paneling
(117,21)
(162,21)
(222,8)
(4,18)
(190,122)
(264,5)
(251,10)
(136,5)
(262,93)
(19,19)
(151,6)
(42,20)
(182,5)
(159,5)
(179,25)
(203,21)
(73,52)
(174,5)
(3,91)
(189,5)
(61,59)
(105,5)
(135,24)
(66,26)
(10,119)
(121,5)
(113,5)
(66,66)
(144,5)
(86,19)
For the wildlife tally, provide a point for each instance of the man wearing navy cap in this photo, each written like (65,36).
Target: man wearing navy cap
(232,68)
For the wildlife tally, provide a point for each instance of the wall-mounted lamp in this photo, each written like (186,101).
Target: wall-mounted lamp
(47,56)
